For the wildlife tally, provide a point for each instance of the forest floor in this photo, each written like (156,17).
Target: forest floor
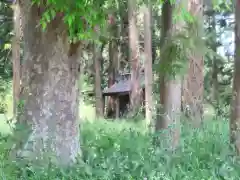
(122,150)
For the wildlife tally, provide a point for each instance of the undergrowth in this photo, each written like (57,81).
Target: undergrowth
(121,151)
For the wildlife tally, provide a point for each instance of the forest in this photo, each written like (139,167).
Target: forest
(119,90)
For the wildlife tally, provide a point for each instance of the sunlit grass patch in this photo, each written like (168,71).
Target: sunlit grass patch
(4,126)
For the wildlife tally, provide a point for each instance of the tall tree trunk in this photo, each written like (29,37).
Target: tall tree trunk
(215,85)
(16,56)
(51,89)
(154,14)
(214,90)
(124,34)
(193,81)
(235,108)
(98,80)
(134,56)
(113,67)
(170,88)
(148,64)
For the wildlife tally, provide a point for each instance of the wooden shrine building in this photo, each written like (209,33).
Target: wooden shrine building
(119,93)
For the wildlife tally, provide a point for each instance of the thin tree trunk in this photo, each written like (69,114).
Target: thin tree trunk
(112,73)
(148,64)
(235,108)
(214,90)
(134,57)
(124,34)
(51,93)
(194,80)
(170,88)
(98,80)
(154,37)
(16,56)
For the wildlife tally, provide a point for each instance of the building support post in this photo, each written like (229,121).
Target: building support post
(117,107)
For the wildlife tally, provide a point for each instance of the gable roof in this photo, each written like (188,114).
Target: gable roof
(122,86)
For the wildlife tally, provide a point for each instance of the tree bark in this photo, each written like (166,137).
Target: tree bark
(194,80)
(154,37)
(124,34)
(16,56)
(170,87)
(113,67)
(98,80)
(51,89)
(148,64)
(235,108)
(214,90)
(134,57)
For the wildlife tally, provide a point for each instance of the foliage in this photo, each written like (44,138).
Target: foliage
(218,27)
(5,52)
(82,17)
(5,38)
(115,150)
(4,89)
(178,48)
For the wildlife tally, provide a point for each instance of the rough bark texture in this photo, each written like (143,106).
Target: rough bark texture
(16,56)
(235,109)
(134,57)
(124,34)
(153,32)
(193,81)
(98,80)
(170,89)
(148,65)
(50,89)
(113,68)
(113,64)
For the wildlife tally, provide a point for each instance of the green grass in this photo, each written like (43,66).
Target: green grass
(121,151)
(87,111)
(4,127)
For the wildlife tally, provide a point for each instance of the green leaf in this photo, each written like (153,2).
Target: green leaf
(47,16)
(70,20)
(53,13)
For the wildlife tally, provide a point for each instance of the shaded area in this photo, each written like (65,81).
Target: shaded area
(120,93)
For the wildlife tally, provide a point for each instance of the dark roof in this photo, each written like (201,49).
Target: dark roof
(122,86)
(119,87)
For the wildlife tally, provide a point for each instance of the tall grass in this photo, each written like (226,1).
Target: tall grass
(121,151)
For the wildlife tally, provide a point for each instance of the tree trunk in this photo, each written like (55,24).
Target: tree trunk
(124,34)
(170,88)
(98,80)
(51,89)
(134,57)
(148,65)
(16,56)
(214,90)
(113,68)
(214,93)
(235,109)
(193,81)
(154,14)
